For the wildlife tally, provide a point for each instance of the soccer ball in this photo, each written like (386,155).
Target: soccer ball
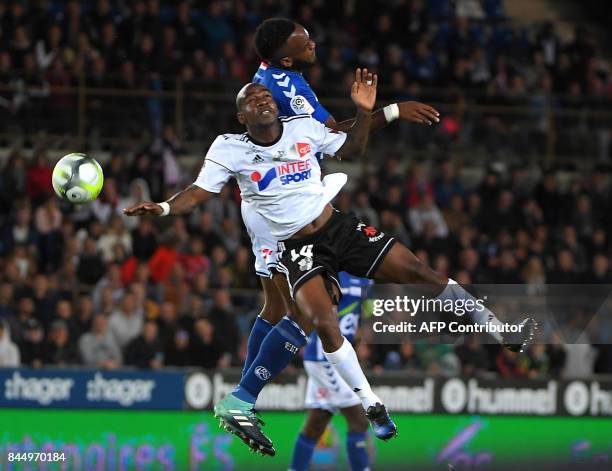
(77,178)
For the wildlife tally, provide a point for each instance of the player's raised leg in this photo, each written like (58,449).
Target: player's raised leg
(400,265)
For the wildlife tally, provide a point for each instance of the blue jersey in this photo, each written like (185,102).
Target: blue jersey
(354,291)
(291,92)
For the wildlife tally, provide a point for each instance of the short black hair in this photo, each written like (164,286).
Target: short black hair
(271,35)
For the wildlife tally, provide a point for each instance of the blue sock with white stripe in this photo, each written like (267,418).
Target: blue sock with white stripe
(357,451)
(275,353)
(302,453)
(260,329)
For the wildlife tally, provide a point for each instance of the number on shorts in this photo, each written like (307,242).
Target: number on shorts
(305,251)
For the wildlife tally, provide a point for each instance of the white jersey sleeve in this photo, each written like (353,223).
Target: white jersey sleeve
(327,141)
(218,166)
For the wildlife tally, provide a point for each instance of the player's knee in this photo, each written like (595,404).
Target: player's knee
(418,272)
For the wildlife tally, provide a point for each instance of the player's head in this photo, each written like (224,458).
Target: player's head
(255,106)
(286,43)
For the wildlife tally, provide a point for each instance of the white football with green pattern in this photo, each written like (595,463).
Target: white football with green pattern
(77,178)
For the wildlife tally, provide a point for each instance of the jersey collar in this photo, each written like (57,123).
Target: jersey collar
(270,144)
(266,65)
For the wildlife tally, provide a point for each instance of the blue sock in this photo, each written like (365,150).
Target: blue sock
(357,450)
(260,329)
(276,351)
(302,453)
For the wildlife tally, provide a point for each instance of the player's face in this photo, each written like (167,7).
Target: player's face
(302,48)
(257,107)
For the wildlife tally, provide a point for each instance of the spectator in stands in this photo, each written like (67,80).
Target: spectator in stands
(206,349)
(110,281)
(600,272)
(64,312)
(45,299)
(427,212)
(222,208)
(534,276)
(126,322)
(9,353)
(232,235)
(19,321)
(39,180)
(223,317)
(539,363)
(107,204)
(474,358)
(363,209)
(48,221)
(164,258)
(6,301)
(84,314)
(22,230)
(144,240)
(91,266)
(392,223)
(405,359)
(511,365)
(98,347)
(166,148)
(438,359)
(146,350)
(242,270)
(207,230)
(195,261)
(565,271)
(167,323)
(143,303)
(178,353)
(59,349)
(114,235)
(32,345)
(447,184)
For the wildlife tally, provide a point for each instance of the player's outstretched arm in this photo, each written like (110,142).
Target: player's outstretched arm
(181,203)
(413,111)
(363,94)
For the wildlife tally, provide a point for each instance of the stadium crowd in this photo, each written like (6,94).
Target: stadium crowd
(87,285)
(444,51)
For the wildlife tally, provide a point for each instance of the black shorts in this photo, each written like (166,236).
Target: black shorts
(344,243)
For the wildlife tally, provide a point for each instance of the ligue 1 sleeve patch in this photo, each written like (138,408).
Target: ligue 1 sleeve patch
(300,105)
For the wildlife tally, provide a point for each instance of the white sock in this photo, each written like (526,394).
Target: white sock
(345,361)
(455,291)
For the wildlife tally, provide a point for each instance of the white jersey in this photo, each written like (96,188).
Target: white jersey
(281,180)
(265,247)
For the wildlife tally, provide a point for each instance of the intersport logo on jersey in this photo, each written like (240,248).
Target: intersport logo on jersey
(287,172)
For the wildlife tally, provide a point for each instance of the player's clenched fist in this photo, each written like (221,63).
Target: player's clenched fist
(144,209)
(363,91)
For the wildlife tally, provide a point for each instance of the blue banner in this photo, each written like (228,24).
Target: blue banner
(91,389)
